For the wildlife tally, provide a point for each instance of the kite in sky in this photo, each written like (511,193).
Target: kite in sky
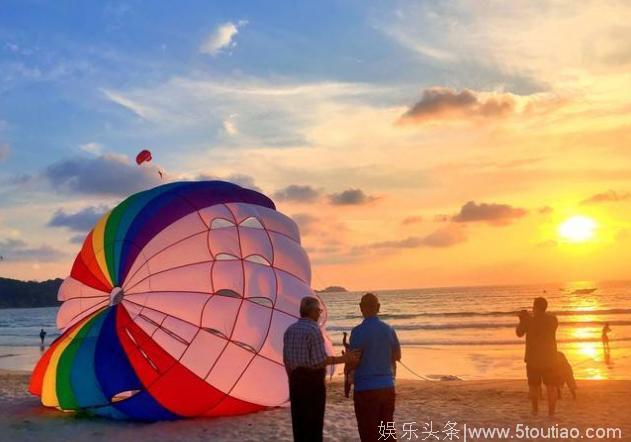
(176,307)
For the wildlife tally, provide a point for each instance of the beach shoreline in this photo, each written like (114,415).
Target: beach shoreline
(488,403)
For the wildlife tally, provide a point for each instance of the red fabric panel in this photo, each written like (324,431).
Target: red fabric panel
(174,386)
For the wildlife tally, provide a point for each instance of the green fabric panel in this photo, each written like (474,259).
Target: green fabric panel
(67,400)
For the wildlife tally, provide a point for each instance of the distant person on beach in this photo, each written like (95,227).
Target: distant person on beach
(374,393)
(541,353)
(42,335)
(605,338)
(305,359)
(566,375)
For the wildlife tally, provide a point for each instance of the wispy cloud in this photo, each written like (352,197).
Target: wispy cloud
(441,103)
(137,108)
(607,197)
(297,193)
(92,147)
(497,214)
(17,250)
(81,221)
(222,38)
(350,197)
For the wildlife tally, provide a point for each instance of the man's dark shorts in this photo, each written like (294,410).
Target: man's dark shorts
(549,376)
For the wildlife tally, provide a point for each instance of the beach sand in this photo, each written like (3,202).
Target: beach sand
(485,403)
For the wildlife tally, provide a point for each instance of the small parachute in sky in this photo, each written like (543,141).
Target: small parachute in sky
(176,307)
(143,156)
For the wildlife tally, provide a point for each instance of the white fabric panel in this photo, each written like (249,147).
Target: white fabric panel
(132,309)
(153,315)
(260,281)
(290,291)
(273,346)
(148,327)
(242,211)
(228,275)
(252,324)
(175,232)
(256,242)
(73,310)
(277,222)
(291,257)
(264,383)
(229,367)
(182,305)
(183,330)
(208,214)
(185,252)
(168,343)
(192,278)
(137,275)
(202,353)
(225,240)
(220,314)
(72,288)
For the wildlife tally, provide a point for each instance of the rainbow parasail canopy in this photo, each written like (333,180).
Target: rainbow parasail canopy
(176,307)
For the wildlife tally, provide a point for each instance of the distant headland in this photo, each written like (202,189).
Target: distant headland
(22,294)
(332,289)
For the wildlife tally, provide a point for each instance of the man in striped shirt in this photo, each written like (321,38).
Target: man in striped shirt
(305,359)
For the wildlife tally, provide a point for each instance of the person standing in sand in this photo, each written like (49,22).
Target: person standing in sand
(42,336)
(305,359)
(374,394)
(541,352)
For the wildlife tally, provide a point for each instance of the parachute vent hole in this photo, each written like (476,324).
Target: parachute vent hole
(146,356)
(216,332)
(225,257)
(252,223)
(265,302)
(228,293)
(221,223)
(245,346)
(149,320)
(123,395)
(258,259)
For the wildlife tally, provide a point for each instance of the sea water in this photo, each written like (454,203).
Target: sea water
(467,332)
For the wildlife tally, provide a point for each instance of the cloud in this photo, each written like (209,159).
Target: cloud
(441,103)
(545,210)
(140,110)
(16,250)
(93,148)
(221,38)
(445,237)
(81,221)
(305,222)
(412,220)
(297,193)
(606,197)
(230,127)
(498,214)
(5,150)
(77,239)
(547,244)
(350,197)
(241,180)
(104,175)
(441,238)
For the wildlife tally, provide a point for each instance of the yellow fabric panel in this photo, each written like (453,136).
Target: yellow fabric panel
(49,386)
(98,245)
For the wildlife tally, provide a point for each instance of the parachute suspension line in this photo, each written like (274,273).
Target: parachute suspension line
(425,378)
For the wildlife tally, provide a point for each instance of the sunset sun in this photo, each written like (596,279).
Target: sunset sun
(577,229)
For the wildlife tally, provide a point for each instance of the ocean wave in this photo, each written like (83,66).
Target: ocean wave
(613,311)
(490,342)
(484,325)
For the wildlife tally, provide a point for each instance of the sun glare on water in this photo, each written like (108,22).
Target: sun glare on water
(577,229)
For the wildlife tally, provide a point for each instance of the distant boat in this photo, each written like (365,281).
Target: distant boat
(583,291)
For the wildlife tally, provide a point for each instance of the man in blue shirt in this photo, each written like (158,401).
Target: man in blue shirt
(374,375)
